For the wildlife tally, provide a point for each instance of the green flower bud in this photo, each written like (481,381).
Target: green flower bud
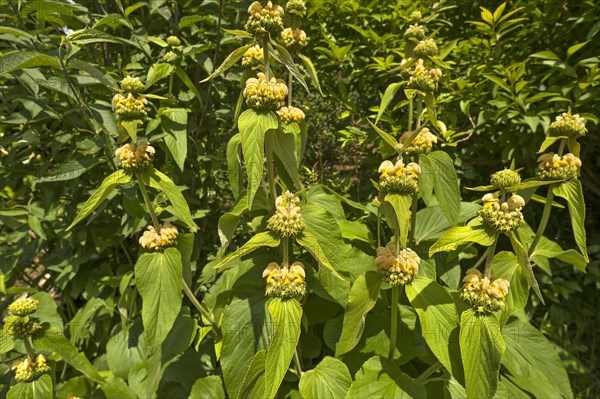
(173,41)
(296,8)
(285,281)
(484,294)
(132,85)
(170,57)
(287,220)
(415,16)
(397,269)
(426,48)
(415,31)
(22,327)
(505,178)
(23,306)
(567,125)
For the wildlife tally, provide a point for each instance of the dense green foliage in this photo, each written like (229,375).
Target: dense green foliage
(190,317)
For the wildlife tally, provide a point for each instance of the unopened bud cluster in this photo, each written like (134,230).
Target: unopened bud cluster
(567,125)
(28,370)
(422,144)
(502,217)
(422,78)
(265,95)
(173,41)
(397,269)
(415,31)
(264,20)
(296,8)
(290,114)
(135,156)
(23,306)
(131,85)
(293,38)
(170,57)
(484,294)
(158,240)
(426,48)
(287,220)
(398,178)
(253,57)
(551,166)
(21,324)
(505,178)
(285,281)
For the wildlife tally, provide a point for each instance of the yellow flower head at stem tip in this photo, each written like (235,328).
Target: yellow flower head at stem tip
(285,281)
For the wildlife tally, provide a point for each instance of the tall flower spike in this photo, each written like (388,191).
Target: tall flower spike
(287,220)
(484,294)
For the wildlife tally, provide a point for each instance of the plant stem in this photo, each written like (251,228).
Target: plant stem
(147,201)
(29,349)
(394,325)
(413,219)
(286,251)
(203,311)
(297,364)
(410,114)
(266,57)
(544,222)
(271,171)
(290,82)
(419,112)
(490,257)
(432,369)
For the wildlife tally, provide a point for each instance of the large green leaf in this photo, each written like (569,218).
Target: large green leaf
(162,182)
(234,166)
(38,389)
(158,277)
(286,318)
(114,180)
(54,340)
(329,380)
(208,387)
(363,296)
(387,98)
(387,138)
(481,347)
(440,167)
(228,62)
(157,72)
(253,126)
(532,361)
(174,123)
(283,56)
(284,146)
(439,321)
(254,381)
(259,240)
(523,260)
(401,205)
(380,378)
(312,72)
(549,249)
(431,223)
(246,326)
(505,265)
(313,246)
(26,59)
(456,236)
(571,191)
